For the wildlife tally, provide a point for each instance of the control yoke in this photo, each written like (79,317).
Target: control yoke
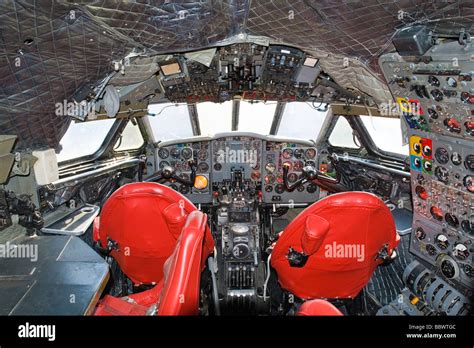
(168,173)
(309,173)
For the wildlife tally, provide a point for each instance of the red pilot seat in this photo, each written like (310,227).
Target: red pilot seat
(140,224)
(178,292)
(318,308)
(334,246)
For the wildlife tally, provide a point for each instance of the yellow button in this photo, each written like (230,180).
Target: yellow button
(200,183)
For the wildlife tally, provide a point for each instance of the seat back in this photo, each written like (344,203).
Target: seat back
(339,238)
(318,308)
(181,285)
(139,225)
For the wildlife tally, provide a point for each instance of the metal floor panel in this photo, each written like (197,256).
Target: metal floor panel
(63,276)
(387,283)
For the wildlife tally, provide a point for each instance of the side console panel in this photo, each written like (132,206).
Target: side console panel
(434,95)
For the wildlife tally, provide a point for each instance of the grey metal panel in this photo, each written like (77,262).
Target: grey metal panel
(64,280)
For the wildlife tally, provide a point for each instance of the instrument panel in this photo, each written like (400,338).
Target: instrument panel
(434,97)
(296,157)
(258,158)
(179,156)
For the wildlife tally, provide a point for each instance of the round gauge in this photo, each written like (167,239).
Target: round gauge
(427,166)
(187,153)
(448,268)
(452,124)
(442,174)
(247,145)
(287,153)
(416,147)
(460,251)
(469,162)
(456,158)
(469,183)
(292,177)
(417,163)
(469,127)
(202,155)
(279,179)
(196,146)
(421,192)
(288,164)
(298,153)
(270,167)
(269,179)
(185,166)
(431,249)
(311,188)
(310,153)
(467,226)
(436,213)
(433,81)
(298,166)
(164,164)
(442,155)
(163,153)
(268,188)
(300,188)
(452,220)
(465,97)
(427,151)
(256,144)
(420,233)
(176,165)
(279,189)
(433,114)
(175,153)
(202,167)
(255,175)
(217,167)
(469,271)
(437,95)
(442,241)
(184,189)
(420,179)
(451,82)
(310,163)
(240,251)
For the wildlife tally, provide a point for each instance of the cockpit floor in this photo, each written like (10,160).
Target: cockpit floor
(387,282)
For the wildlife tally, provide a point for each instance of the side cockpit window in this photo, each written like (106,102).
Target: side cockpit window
(386,133)
(343,135)
(83,139)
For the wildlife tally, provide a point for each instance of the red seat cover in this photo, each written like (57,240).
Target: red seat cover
(144,220)
(178,292)
(357,222)
(317,308)
(180,295)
